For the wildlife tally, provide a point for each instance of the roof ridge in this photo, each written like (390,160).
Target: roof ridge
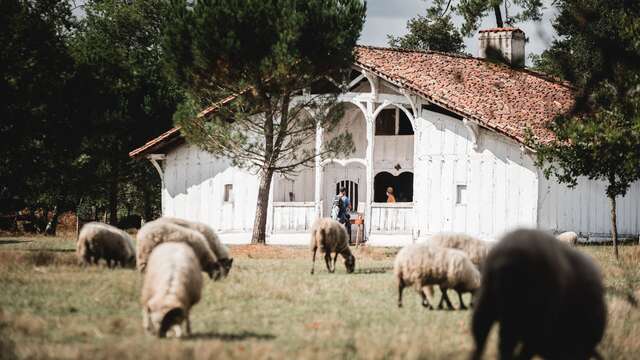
(399,49)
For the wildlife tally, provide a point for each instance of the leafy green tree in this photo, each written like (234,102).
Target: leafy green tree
(264,55)
(598,50)
(431,32)
(473,11)
(39,162)
(117,48)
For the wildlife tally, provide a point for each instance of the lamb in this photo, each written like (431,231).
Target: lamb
(547,297)
(423,266)
(156,232)
(568,237)
(476,249)
(331,236)
(101,241)
(221,252)
(172,285)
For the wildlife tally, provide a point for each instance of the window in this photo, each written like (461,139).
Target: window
(461,194)
(228,193)
(393,122)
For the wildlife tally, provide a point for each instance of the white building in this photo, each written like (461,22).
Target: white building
(446,131)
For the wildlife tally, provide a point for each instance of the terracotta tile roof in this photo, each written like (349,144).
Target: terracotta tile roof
(494,95)
(498,97)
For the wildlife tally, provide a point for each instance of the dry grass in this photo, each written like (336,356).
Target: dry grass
(269,307)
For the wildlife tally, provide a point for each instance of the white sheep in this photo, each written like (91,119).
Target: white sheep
(101,241)
(221,251)
(476,249)
(172,285)
(423,266)
(547,297)
(330,236)
(568,237)
(157,232)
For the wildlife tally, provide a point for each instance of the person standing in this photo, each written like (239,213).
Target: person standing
(341,208)
(390,197)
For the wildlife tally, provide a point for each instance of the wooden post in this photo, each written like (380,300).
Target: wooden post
(369,159)
(318,172)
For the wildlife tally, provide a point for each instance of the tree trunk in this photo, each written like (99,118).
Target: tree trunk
(113,202)
(496,10)
(262,208)
(614,226)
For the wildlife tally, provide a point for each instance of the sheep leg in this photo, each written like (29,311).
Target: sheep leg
(335,258)
(482,321)
(445,297)
(462,306)
(425,299)
(188,325)
(400,290)
(507,342)
(313,261)
(327,261)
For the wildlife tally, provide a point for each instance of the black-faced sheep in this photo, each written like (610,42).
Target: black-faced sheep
(172,285)
(157,232)
(568,237)
(221,251)
(101,241)
(330,236)
(424,265)
(546,296)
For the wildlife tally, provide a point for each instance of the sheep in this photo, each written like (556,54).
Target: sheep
(156,232)
(172,285)
(101,241)
(423,266)
(221,252)
(331,236)
(547,297)
(568,237)
(476,249)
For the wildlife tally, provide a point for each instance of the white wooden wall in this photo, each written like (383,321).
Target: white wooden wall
(501,181)
(390,151)
(194,189)
(585,209)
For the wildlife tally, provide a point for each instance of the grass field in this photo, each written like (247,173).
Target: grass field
(268,308)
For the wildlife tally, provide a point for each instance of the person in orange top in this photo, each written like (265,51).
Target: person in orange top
(390,197)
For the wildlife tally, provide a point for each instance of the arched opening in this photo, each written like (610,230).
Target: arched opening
(402,186)
(393,121)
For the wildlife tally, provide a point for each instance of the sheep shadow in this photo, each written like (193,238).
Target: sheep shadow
(11,241)
(373,270)
(51,250)
(230,337)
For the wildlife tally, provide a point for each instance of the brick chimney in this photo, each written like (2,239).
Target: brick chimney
(503,44)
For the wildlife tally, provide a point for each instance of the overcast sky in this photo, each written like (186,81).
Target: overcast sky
(390,17)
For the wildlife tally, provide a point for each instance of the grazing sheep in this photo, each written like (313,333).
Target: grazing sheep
(156,232)
(172,285)
(331,236)
(476,249)
(568,237)
(546,296)
(221,251)
(424,265)
(101,241)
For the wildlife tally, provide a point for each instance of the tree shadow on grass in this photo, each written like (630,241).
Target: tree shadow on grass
(238,336)
(11,241)
(374,270)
